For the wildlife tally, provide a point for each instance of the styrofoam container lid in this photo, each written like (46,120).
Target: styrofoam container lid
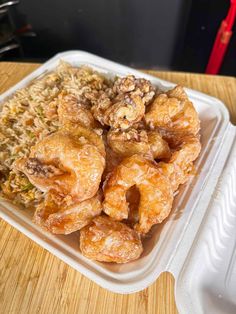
(196,243)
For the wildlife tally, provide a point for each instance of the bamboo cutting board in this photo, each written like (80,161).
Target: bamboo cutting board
(34,281)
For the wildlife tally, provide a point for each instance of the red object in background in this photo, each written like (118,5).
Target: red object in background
(222,40)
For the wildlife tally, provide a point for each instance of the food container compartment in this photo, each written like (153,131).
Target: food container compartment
(184,234)
(207,280)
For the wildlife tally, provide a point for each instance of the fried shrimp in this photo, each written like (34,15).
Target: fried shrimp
(66,164)
(106,240)
(173,112)
(128,142)
(58,218)
(112,159)
(140,86)
(156,195)
(132,141)
(175,117)
(124,105)
(70,110)
(126,110)
(81,132)
(158,146)
(180,165)
(128,107)
(100,101)
(133,198)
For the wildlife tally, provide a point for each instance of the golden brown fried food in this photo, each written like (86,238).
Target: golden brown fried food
(140,86)
(106,240)
(70,110)
(128,107)
(90,135)
(158,146)
(175,117)
(128,142)
(108,133)
(173,112)
(66,164)
(133,198)
(126,110)
(156,195)
(180,165)
(112,159)
(58,218)
(138,141)
(124,105)
(101,101)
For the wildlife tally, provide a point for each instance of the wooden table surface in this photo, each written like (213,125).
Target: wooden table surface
(34,281)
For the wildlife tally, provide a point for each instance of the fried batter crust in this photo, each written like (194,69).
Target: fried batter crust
(106,240)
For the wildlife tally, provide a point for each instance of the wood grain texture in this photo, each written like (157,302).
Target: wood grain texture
(34,281)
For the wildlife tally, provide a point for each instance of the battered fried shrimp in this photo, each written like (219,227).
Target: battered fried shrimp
(101,101)
(90,135)
(180,165)
(112,159)
(128,142)
(140,125)
(123,105)
(173,112)
(126,110)
(58,218)
(106,240)
(131,141)
(175,117)
(140,86)
(70,110)
(156,195)
(133,198)
(66,164)
(158,146)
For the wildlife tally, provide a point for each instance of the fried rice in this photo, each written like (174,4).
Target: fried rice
(30,115)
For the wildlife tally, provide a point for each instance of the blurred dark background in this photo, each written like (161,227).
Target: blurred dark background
(170,34)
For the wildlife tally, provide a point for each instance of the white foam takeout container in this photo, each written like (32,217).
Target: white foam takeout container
(196,243)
